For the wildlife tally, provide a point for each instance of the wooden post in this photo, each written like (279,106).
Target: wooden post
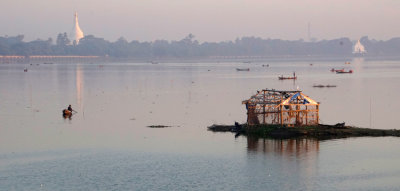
(281,114)
(306,115)
(318,114)
(264,108)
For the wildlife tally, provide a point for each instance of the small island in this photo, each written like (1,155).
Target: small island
(319,131)
(291,114)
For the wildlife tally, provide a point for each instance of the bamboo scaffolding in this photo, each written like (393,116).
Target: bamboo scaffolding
(286,108)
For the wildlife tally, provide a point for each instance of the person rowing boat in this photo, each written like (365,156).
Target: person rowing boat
(68,112)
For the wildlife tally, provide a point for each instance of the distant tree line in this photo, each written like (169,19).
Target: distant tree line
(188,47)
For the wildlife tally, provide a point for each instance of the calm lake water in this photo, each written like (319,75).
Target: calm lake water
(107,146)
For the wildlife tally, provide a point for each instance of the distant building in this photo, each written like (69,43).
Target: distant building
(77,33)
(359,48)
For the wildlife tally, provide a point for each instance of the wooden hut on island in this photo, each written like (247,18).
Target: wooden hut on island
(285,108)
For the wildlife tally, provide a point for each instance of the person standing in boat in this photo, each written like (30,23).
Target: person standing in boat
(294,74)
(70,108)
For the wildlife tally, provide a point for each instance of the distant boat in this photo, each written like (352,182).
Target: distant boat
(337,70)
(242,69)
(287,78)
(247,62)
(294,77)
(344,72)
(323,86)
(347,63)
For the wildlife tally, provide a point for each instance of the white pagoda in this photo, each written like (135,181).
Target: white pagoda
(77,33)
(359,48)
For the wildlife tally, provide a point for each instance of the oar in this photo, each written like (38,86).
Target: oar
(75,111)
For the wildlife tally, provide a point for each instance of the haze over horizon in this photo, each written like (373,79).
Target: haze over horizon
(208,20)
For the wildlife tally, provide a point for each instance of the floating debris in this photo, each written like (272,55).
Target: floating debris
(158,126)
(243,69)
(324,86)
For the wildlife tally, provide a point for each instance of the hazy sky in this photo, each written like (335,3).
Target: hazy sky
(208,20)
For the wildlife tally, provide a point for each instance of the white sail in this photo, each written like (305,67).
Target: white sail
(77,33)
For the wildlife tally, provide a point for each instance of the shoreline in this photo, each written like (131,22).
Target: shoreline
(4,59)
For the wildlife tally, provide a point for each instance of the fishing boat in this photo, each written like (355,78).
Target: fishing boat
(242,69)
(344,72)
(287,78)
(67,113)
(294,77)
(336,70)
(347,63)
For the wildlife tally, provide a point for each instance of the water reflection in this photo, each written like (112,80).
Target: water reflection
(79,86)
(284,147)
(294,159)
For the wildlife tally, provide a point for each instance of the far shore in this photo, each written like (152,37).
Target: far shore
(215,59)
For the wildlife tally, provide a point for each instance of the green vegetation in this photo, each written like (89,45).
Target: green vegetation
(188,47)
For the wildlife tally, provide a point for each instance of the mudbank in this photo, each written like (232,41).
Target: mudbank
(319,131)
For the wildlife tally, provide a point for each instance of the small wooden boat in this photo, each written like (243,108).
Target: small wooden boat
(294,77)
(347,63)
(344,72)
(335,70)
(242,69)
(67,113)
(287,78)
